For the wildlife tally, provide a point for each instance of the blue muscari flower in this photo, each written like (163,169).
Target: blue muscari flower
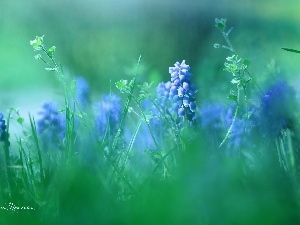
(51,125)
(277,107)
(212,120)
(212,116)
(241,132)
(3,131)
(216,119)
(182,91)
(82,91)
(108,113)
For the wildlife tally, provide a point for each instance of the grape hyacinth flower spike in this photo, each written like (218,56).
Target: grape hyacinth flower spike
(108,111)
(82,91)
(277,107)
(51,125)
(182,91)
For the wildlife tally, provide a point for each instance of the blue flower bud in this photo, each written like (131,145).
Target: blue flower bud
(185,85)
(181,92)
(193,106)
(181,111)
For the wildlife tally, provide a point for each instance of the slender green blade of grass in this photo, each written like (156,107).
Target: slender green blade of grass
(36,141)
(291,50)
(131,143)
(125,111)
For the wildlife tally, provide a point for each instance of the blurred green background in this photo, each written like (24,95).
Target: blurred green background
(102,40)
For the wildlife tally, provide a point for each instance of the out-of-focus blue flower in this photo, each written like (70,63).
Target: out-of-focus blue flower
(108,114)
(157,125)
(212,116)
(241,132)
(277,107)
(182,91)
(82,91)
(3,132)
(212,121)
(216,119)
(51,125)
(144,139)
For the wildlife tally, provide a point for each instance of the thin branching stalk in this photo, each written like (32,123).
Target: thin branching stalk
(226,37)
(59,71)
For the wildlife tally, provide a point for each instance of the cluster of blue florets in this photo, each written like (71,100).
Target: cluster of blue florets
(277,108)
(108,114)
(182,91)
(51,124)
(178,95)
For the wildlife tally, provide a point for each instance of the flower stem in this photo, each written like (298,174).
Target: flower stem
(227,136)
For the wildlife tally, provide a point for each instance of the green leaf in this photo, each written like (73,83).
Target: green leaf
(37,43)
(38,56)
(291,50)
(122,85)
(220,23)
(50,69)
(145,86)
(216,45)
(20,120)
(246,62)
(232,96)
(232,68)
(154,155)
(145,89)
(235,81)
(51,51)
(230,58)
